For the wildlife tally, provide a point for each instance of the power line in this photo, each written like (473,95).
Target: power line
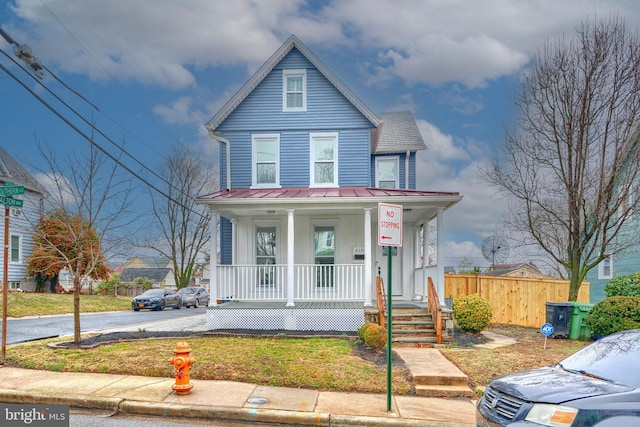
(81,133)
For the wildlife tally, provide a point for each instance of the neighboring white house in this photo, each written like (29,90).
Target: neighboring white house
(21,222)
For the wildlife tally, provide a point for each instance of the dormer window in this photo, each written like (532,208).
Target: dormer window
(294,90)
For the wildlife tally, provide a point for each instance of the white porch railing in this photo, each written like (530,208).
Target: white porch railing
(335,282)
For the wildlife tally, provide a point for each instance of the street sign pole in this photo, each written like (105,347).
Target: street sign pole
(5,285)
(6,192)
(389,236)
(389,335)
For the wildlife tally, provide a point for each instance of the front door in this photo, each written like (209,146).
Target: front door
(396,273)
(324,255)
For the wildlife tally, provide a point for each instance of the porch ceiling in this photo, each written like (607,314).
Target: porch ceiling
(417,205)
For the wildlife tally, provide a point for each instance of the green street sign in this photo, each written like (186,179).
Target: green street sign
(11,190)
(8,201)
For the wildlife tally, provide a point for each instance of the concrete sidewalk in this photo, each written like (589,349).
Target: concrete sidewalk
(224,400)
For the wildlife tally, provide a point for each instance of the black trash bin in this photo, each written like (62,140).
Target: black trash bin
(559,315)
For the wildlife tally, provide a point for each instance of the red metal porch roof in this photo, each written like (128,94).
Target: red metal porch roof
(306,192)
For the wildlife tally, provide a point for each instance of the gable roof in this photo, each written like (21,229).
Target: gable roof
(291,43)
(12,171)
(398,133)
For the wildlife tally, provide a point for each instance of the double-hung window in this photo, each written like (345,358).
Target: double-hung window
(294,90)
(324,159)
(605,268)
(15,248)
(387,172)
(266,160)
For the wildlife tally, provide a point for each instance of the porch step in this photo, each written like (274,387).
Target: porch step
(433,375)
(412,327)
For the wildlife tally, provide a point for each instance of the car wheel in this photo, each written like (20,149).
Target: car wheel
(136,309)
(161,306)
(178,306)
(197,304)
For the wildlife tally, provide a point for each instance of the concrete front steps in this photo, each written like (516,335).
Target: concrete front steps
(434,375)
(412,326)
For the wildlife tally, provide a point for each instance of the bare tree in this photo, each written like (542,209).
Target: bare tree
(183,225)
(571,163)
(88,215)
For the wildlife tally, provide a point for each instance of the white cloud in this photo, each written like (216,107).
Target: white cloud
(418,41)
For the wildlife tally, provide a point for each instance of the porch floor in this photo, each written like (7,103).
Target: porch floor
(343,316)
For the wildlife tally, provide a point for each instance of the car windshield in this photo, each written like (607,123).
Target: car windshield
(609,358)
(187,291)
(154,293)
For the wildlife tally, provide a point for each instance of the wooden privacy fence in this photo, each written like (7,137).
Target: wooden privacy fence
(514,300)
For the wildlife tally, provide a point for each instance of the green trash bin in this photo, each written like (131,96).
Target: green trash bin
(577,329)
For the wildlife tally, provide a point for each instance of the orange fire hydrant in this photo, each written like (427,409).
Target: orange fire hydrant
(182,362)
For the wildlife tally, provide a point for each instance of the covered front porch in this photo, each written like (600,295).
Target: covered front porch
(295,250)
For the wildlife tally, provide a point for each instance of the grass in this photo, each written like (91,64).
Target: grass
(316,363)
(481,365)
(23,304)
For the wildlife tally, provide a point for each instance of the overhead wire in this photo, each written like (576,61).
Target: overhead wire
(81,133)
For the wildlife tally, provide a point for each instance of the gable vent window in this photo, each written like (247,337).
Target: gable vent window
(605,268)
(294,90)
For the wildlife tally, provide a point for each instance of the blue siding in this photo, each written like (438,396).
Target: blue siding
(622,266)
(353,163)
(294,159)
(327,109)
(225,241)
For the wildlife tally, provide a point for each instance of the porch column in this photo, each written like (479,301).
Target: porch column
(367,258)
(213,261)
(440,265)
(425,258)
(234,239)
(290,257)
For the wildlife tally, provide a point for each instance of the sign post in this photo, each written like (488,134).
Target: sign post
(389,235)
(5,198)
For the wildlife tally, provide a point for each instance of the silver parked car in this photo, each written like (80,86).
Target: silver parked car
(194,296)
(596,386)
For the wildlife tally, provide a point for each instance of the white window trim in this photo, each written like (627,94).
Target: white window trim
(312,161)
(11,260)
(293,73)
(601,272)
(396,160)
(254,159)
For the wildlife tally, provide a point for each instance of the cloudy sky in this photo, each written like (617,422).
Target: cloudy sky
(158,70)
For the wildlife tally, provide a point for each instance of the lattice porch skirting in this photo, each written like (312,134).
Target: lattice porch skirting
(305,316)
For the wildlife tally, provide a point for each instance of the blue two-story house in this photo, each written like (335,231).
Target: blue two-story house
(304,167)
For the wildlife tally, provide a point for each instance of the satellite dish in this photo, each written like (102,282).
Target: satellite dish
(495,249)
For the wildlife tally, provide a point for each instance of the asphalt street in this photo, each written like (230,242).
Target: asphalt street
(42,327)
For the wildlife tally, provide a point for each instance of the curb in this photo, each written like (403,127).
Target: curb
(203,412)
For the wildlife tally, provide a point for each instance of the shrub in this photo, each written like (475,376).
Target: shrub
(614,314)
(361,330)
(375,336)
(627,286)
(472,313)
